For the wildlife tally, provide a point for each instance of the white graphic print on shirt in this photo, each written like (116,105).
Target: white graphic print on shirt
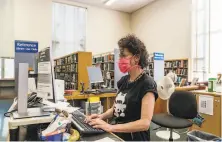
(120,107)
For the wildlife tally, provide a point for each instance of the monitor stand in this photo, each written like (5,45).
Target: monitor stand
(31,112)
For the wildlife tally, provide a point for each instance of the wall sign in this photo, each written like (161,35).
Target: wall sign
(158,56)
(26,46)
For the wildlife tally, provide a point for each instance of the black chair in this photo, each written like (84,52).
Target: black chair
(182,106)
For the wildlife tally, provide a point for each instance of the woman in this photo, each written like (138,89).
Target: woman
(134,104)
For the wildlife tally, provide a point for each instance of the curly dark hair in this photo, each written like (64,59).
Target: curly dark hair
(136,47)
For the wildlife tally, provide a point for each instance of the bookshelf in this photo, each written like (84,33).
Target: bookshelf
(155,67)
(179,67)
(106,63)
(150,68)
(72,69)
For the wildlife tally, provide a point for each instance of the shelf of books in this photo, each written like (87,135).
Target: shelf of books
(106,63)
(179,67)
(72,69)
(150,68)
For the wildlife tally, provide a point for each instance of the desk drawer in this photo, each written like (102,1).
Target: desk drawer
(212,123)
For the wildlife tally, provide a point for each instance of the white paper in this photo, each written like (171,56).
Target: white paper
(44,68)
(31,85)
(45,85)
(106,139)
(61,105)
(206,104)
(59,89)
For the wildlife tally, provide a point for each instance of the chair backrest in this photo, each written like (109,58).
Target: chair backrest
(183,104)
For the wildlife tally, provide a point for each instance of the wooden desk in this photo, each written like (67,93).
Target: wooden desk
(15,123)
(187,88)
(161,105)
(78,96)
(107,99)
(212,123)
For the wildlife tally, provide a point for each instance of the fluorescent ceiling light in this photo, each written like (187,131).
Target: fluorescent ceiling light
(109,2)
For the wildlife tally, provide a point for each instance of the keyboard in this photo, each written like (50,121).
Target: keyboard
(83,128)
(107,90)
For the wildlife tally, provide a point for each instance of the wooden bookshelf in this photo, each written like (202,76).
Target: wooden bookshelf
(106,63)
(179,67)
(72,69)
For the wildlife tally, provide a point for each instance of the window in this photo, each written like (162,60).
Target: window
(69,29)
(207,38)
(0,68)
(6,68)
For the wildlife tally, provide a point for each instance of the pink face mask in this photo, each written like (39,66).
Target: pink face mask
(125,66)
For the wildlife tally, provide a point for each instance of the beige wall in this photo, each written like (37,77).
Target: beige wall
(165,26)
(6,28)
(24,20)
(31,20)
(104,27)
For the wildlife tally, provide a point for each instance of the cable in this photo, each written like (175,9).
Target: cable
(157,128)
(32,100)
(7,114)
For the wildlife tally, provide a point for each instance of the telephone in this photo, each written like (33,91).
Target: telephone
(32,101)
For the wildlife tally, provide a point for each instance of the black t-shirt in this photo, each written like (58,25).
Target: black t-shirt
(127,107)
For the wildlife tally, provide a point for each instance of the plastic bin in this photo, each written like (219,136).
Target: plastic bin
(57,137)
(201,136)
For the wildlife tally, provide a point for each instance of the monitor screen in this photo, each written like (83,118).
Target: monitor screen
(95,74)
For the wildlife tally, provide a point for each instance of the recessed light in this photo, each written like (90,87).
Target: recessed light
(109,2)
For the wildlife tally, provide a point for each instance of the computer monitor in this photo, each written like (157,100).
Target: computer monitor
(95,74)
(46,79)
(194,81)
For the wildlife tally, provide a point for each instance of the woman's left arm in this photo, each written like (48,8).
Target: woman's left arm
(143,124)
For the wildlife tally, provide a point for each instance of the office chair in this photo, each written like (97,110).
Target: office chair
(182,106)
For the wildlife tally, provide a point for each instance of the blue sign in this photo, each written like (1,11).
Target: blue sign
(158,56)
(26,46)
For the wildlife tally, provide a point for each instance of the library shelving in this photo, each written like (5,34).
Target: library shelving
(150,68)
(106,63)
(179,67)
(72,69)
(155,67)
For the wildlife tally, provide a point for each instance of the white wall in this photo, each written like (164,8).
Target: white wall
(6,28)
(165,26)
(104,27)
(24,20)
(32,20)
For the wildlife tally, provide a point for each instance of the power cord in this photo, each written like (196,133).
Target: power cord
(157,128)
(32,100)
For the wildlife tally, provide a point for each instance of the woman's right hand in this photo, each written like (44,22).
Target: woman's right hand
(93,116)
